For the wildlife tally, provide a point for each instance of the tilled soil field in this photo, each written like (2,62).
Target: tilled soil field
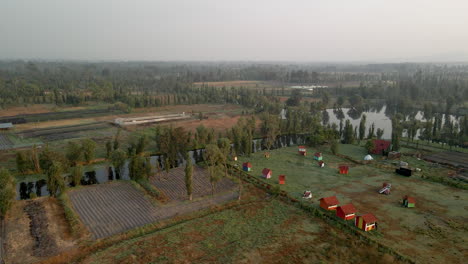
(58,133)
(455,159)
(44,243)
(173,185)
(5,142)
(112,208)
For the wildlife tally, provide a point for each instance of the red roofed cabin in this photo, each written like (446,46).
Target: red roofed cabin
(344,169)
(380,146)
(329,203)
(266,173)
(347,212)
(318,156)
(302,151)
(246,166)
(366,222)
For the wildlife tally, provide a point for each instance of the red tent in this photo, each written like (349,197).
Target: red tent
(347,212)
(344,169)
(380,146)
(329,203)
(282,179)
(302,150)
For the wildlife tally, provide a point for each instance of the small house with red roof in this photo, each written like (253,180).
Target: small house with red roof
(282,179)
(380,146)
(318,156)
(344,169)
(266,173)
(409,201)
(366,222)
(329,203)
(347,212)
(302,150)
(246,166)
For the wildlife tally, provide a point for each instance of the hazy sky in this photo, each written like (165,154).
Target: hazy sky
(308,30)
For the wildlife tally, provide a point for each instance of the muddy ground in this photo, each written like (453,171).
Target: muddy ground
(50,228)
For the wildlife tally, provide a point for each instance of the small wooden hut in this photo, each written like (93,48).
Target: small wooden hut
(409,201)
(302,150)
(318,156)
(246,166)
(366,222)
(266,173)
(329,203)
(346,212)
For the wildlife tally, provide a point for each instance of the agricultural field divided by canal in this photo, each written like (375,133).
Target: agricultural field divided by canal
(435,231)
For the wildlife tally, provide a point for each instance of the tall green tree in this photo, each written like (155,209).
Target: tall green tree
(270,129)
(55,181)
(348,133)
(23,163)
(362,128)
(118,159)
(89,149)
(76,175)
(74,153)
(213,159)
(189,177)
(7,192)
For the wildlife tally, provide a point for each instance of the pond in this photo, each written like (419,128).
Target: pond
(380,116)
(104,173)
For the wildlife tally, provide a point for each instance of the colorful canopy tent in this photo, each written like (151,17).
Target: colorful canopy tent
(385,188)
(366,222)
(329,203)
(246,166)
(318,156)
(380,146)
(302,151)
(266,173)
(404,171)
(321,164)
(368,157)
(344,169)
(282,179)
(307,195)
(409,201)
(346,212)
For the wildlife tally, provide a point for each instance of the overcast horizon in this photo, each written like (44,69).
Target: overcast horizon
(243,31)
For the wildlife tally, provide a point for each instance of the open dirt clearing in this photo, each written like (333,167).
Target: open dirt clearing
(21,247)
(111,208)
(455,159)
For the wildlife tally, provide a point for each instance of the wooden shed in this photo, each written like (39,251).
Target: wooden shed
(318,156)
(246,166)
(329,203)
(302,150)
(344,169)
(346,212)
(409,201)
(266,173)
(282,179)
(366,222)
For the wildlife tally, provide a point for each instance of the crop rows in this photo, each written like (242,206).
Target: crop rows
(63,132)
(109,209)
(173,185)
(5,142)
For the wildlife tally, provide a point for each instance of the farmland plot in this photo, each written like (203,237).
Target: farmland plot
(112,208)
(173,185)
(5,142)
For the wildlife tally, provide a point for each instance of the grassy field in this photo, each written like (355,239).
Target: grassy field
(433,232)
(261,230)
